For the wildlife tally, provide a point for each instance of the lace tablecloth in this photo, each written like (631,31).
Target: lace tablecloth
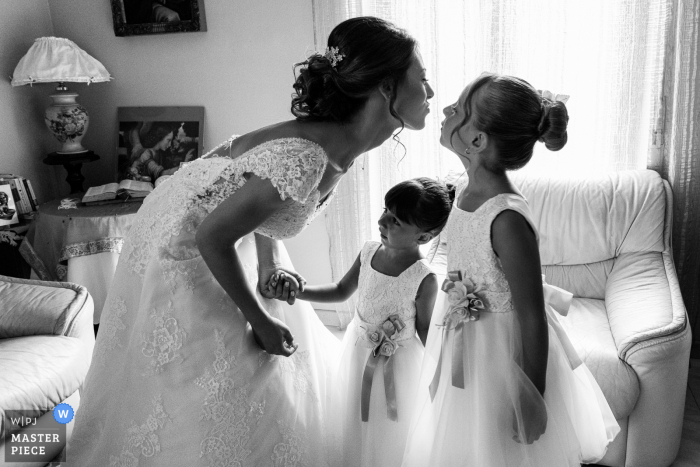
(69,244)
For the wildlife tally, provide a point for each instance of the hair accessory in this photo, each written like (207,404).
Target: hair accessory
(551,97)
(548,97)
(333,56)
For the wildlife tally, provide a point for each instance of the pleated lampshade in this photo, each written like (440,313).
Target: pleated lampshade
(57,60)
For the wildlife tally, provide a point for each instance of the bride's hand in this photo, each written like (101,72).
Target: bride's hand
(280,283)
(274,337)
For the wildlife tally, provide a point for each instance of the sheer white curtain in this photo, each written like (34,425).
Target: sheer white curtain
(608,56)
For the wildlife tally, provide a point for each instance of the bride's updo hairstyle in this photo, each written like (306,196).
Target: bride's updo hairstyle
(364,53)
(515,116)
(422,202)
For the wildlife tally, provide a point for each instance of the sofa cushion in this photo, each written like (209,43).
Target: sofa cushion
(38,372)
(588,328)
(582,280)
(583,221)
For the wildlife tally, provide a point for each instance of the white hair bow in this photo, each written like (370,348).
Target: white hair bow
(550,96)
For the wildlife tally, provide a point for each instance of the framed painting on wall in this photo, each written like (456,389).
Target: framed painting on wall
(156,141)
(135,17)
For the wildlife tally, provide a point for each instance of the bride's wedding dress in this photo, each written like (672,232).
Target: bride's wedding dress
(176,378)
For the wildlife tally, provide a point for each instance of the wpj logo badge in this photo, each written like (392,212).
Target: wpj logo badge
(33,438)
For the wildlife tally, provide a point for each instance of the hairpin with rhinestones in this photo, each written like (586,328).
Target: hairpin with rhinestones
(333,56)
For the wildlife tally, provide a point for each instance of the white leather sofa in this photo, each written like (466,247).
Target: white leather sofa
(606,239)
(46,343)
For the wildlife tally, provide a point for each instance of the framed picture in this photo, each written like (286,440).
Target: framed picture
(8,210)
(156,141)
(132,17)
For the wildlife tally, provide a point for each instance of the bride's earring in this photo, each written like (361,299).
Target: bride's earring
(467,151)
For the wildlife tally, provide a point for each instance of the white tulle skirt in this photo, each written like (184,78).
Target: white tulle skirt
(177,379)
(379,441)
(474,426)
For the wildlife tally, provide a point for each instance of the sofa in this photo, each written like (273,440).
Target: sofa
(46,343)
(607,239)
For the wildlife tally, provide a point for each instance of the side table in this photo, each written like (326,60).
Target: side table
(80,245)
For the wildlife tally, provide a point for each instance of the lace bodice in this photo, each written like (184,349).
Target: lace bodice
(469,248)
(172,213)
(379,295)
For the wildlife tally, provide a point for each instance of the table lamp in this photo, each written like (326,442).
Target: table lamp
(58,60)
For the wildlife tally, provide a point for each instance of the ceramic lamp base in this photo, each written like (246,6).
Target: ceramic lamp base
(68,121)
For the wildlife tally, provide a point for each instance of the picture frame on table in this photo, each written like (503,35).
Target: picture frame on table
(156,141)
(140,17)
(9,214)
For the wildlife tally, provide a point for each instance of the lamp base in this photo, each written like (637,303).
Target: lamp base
(73,164)
(67,120)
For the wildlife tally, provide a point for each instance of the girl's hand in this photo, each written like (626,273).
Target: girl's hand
(281,283)
(274,337)
(534,420)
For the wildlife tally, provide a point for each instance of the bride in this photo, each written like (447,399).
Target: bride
(178,376)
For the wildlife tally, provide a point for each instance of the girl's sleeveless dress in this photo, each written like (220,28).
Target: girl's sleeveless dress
(380,440)
(476,426)
(176,377)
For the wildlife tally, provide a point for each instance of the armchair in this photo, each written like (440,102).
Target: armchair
(46,342)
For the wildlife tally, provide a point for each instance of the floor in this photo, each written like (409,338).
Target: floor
(689,454)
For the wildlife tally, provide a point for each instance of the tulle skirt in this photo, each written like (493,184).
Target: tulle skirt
(177,379)
(478,426)
(379,441)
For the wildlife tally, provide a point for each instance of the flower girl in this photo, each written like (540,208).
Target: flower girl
(377,379)
(501,384)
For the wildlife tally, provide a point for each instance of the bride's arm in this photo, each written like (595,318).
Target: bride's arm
(234,218)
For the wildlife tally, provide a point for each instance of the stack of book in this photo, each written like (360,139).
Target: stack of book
(22,193)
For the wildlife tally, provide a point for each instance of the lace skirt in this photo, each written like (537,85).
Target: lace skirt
(379,441)
(475,426)
(177,379)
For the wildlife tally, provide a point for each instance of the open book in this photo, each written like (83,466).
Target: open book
(124,190)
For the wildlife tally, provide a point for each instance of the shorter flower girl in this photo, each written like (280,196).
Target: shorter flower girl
(377,379)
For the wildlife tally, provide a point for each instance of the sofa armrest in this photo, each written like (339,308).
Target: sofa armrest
(650,328)
(643,302)
(32,307)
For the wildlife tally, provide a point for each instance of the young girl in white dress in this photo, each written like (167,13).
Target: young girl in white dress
(374,389)
(500,383)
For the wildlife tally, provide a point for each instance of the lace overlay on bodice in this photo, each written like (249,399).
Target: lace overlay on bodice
(380,296)
(469,248)
(171,214)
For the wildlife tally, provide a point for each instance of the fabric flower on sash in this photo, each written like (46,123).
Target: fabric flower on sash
(465,306)
(382,340)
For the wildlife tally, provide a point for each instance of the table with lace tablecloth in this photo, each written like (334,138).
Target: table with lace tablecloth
(79,243)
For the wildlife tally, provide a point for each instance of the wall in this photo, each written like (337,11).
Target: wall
(24,137)
(240,70)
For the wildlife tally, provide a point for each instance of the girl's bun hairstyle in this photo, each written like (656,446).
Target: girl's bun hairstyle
(422,202)
(553,124)
(373,52)
(515,116)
